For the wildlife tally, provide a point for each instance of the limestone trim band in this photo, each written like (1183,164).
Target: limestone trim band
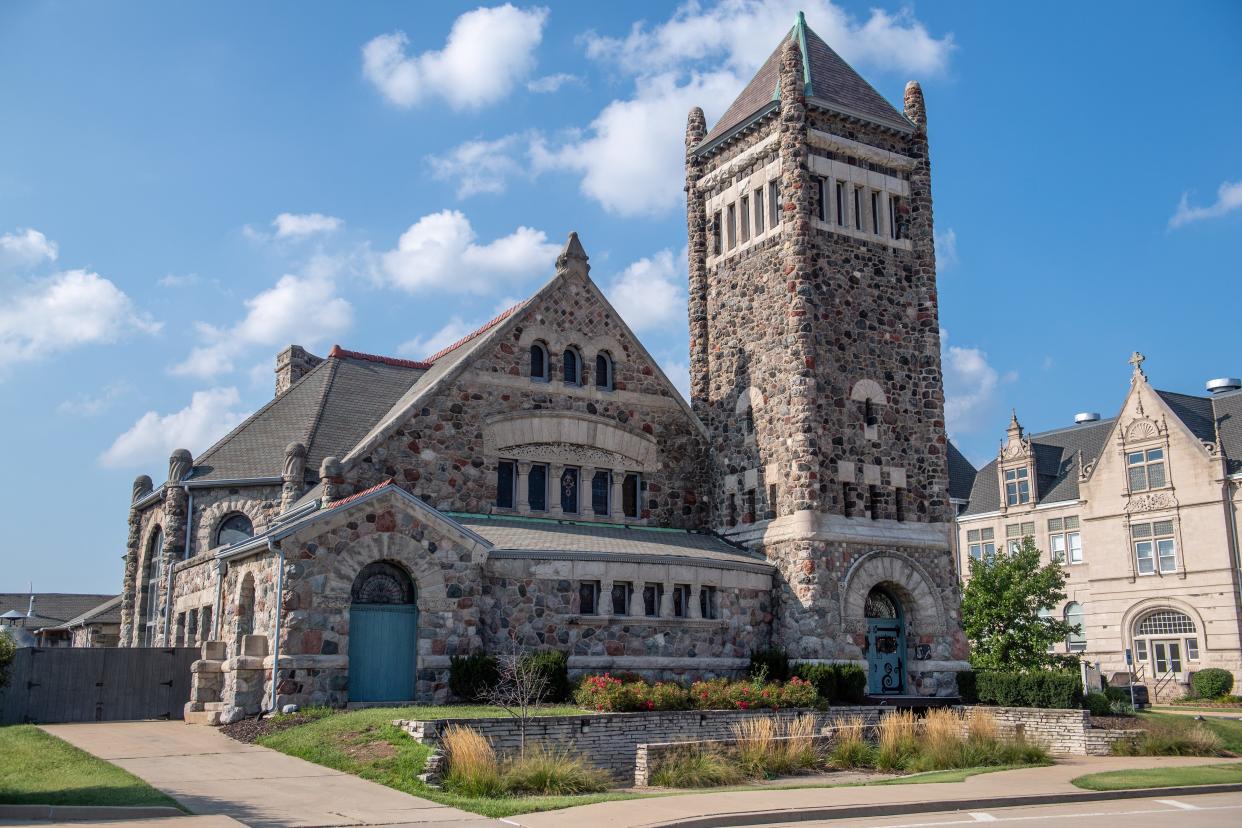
(815,526)
(612,557)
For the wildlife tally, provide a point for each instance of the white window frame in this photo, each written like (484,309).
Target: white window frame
(1141,460)
(981,543)
(1021,483)
(1158,550)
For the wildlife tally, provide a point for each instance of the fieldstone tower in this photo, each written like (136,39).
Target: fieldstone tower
(815,361)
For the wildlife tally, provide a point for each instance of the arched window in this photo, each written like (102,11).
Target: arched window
(881,604)
(571,366)
(154,574)
(382,582)
(234,529)
(1074,616)
(1165,622)
(538,361)
(1164,640)
(603,370)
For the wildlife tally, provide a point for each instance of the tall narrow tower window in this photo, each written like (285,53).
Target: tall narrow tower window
(875,212)
(716,243)
(758,211)
(858,214)
(821,202)
(894,230)
(774,204)
(731,225)
(840,204)
(745,218)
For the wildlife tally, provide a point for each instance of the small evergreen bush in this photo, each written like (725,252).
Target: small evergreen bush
(554,666)
(470,677)
(851,683)
(1098,704)
(1211,682)
(771,664)
(1058,689)
(967,687)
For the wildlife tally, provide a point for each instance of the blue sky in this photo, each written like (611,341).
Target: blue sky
(185,188)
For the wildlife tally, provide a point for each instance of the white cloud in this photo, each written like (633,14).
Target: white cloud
(297,225)
(92,405)
(649,294)
(479,166)
(421,347)
(969,386)
(742,33)
(175,280)
(488,51)
(65,311)
(1228,199)
(209,416)
(946,250)
(440,252)
(25,248)
(551,83)
(298,308)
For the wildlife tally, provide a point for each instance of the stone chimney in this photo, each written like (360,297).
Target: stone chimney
(292,364)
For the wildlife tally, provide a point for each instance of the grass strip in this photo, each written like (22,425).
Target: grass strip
(1161,777)
(36,768)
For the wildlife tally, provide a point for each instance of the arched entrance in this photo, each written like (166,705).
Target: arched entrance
(1164,640)
(383,634)
(886,643)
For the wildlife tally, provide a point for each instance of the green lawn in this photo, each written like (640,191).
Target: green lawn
(366,744)
(1228,730)
(39,769)
(954,775)
(1161,777)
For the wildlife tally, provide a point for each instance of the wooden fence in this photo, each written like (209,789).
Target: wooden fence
(96,684)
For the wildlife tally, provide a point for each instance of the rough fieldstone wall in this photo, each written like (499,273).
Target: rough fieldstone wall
(142,524)
(439,453)
(259,503)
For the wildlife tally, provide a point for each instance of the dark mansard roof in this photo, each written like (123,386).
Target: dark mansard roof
(1059,454)
(828,81)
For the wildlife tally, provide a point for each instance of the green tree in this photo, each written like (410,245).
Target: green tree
(1001,607)
(7,650)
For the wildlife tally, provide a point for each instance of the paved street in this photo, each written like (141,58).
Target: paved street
(1206,811)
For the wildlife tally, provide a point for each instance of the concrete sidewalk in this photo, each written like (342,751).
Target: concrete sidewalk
(780,806)
(211,774)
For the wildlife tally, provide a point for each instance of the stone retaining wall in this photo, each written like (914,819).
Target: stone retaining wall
(1061,731)
(647,757)
(610,740)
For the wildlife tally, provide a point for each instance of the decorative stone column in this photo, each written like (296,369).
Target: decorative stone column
(586,483)
(522,496)
(695,610)
(637,608)
(176,528)
(605,599)
(554,489)
(617,504)
(142,487)
(666,601)
(332,473)
(696,244)
(293,478)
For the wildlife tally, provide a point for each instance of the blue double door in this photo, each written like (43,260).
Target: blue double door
(383,648)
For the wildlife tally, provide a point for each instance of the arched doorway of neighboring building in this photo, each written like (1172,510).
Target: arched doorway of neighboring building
(1164,641)
(886,643)
(383,634)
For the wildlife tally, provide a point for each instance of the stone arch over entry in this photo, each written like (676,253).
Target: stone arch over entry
(1140,610)
(383,634)
(905,579)
(425,572)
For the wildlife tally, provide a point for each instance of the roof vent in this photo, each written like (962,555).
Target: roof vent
(1086,417)
(1222,384)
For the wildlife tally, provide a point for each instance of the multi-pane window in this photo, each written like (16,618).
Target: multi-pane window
(1146,469)
(894,209)
(981,543)
(774,204)
(537,488)
(601,492)
(653,596)
(875,212)
(569,491)
(745,218)
(622,591)
(716,235)
(1015,532)
(506,483)
(858,213)
(631,487)
(1192,649)
(821,205)
(840,203)
(758,211)
(681,600)
(1064,539)
(709,606)
(1074,615)
(1154,547)
(571,367)
(731,225)
(1017,486)
(233,529)
(588,598)
(1165,622)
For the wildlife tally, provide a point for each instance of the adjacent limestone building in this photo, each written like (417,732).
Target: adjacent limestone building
(542,482)
(1143,510)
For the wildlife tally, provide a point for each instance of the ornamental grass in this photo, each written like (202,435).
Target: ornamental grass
(472,766)
(850,748)
(546,771)
(696,767)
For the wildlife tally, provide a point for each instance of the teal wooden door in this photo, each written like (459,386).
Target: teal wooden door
(886,650)
(383,644)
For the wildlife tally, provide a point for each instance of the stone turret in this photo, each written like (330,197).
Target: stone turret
(573,258)
(696,241)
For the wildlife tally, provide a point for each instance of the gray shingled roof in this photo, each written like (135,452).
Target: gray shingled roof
(51,607)
(1228,410)
(830,81)
(961,474)
(532,535)
(1057,457)
(109,612)
(328,410)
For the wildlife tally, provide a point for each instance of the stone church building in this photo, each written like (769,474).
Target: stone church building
(542,482)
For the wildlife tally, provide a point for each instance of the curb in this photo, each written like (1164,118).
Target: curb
(896,809)
(86,813)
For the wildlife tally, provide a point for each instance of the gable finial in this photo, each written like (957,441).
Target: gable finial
(1137,360)
(573,257)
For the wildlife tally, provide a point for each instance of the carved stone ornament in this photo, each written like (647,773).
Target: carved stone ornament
(180,464)
(1016,449)
(1213,449)
(295,462)
(1151,501)
(142,487)
(1140,430)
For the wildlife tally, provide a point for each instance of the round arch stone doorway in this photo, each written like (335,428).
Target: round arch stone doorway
(886,643)
(383,634)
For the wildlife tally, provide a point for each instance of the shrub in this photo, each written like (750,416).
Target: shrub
(472,766)
(1036,688)
(849,745)
(771,664)
(897,742)
(851,683)
(1211,682)
(554,666)
(822,676)
(694,767)
(8,648)
(1167,740)
(1098,704)
(967,688)
(470,677)
(544,771)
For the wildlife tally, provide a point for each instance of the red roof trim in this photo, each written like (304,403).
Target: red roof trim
(340,353)
(345,500)
(473,334)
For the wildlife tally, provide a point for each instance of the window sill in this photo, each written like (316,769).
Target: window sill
(641,620)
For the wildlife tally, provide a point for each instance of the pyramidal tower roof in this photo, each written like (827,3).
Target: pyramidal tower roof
(828,81)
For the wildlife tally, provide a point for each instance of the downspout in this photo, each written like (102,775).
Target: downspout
(172,567)
(280,592)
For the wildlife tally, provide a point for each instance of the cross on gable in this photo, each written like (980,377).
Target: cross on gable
(1136,359)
